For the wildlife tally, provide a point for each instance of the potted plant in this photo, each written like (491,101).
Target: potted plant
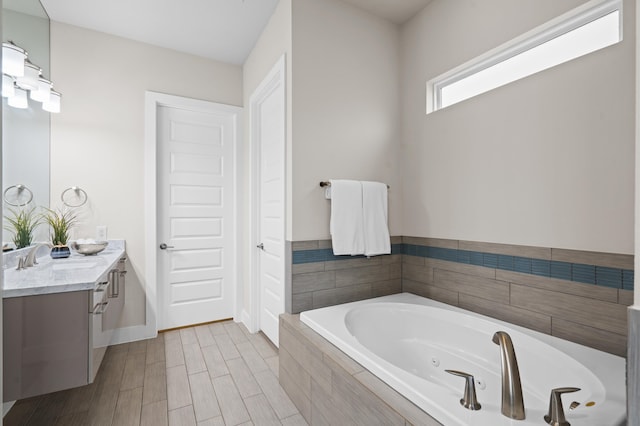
(61,223)
(22,224)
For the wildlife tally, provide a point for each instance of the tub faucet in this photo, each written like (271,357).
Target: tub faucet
(30,260)
(512,401)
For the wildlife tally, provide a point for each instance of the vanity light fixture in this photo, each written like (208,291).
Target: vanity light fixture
(44,90)
(8,88)
(53,104)
(13,58)
(29,80)
(19,76)
(19,99)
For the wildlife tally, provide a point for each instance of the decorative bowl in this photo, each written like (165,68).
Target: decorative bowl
(89,248)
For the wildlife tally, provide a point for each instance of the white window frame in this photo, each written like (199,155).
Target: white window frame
(558,26)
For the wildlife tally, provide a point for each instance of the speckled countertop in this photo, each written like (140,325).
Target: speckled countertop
(75,273)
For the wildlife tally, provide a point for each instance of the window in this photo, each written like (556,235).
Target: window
(593,26)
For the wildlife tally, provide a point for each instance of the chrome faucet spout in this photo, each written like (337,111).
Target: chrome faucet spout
(512,400)
(30,260)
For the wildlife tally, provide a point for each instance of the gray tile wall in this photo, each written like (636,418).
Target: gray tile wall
(587,314)
(328,387)
(633,369)
(319,284)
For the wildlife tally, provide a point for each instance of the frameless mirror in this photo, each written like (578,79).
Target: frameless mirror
(26,132)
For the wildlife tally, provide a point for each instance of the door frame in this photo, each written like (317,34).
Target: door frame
(154,100)
(274,79)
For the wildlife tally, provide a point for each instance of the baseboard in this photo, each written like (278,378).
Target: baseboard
(246,320)
(133,334)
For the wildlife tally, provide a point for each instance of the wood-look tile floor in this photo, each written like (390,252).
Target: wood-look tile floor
(207,375)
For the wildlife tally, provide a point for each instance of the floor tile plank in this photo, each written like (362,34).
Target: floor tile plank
(226,346)
(234,331)
(133,376)
(154,414)
(182,417)
(193,358)
(155,383)
(276,396)
(178,392)
(254,361)
(260,410)
(233,410)
(188,336)
(243,378)
(173,350)
(205,338)
(214,361)
(205,403)
(155,350)
(218,421)
(128,408)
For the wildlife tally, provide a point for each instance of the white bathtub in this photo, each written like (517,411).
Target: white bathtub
(409,341)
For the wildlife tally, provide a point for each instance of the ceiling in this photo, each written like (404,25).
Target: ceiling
(224,30)
(398,11)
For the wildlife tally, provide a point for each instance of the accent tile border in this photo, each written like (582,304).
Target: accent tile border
(602,276)
(616,278)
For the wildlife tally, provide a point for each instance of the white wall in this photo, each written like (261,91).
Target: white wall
(545,161)
(346,108)
(97,141)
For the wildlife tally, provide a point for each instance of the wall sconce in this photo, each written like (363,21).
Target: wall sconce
(19,76)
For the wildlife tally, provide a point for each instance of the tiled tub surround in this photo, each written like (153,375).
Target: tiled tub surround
(590,314)
(328,387)
(575,295)
(321,279)
(633,368)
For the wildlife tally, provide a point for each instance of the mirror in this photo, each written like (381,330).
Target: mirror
(26,132)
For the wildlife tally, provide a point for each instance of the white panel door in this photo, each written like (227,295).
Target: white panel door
(195,216)
(268,110)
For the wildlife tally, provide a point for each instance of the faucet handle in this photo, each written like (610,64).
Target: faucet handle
(555,416)
(20,264)
(470,399)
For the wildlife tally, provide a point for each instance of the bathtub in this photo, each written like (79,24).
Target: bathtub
(409,341)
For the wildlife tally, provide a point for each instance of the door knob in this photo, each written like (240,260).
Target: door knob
(260,246)
(163,246)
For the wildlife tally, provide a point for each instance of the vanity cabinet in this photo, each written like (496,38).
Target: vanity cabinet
(57,341)
(46,343)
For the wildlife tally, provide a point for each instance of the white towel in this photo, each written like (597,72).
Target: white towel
(346,226)
(376,228)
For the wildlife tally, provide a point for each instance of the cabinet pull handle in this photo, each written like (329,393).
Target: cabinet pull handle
(101,286)
(115,285)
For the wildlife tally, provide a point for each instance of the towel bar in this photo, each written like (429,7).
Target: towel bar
(325,183)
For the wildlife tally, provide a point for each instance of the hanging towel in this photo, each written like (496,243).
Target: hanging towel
(346,226)
(376,229)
